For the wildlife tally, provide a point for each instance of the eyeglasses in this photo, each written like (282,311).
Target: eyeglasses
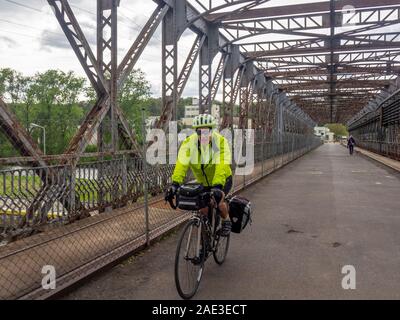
(203,131)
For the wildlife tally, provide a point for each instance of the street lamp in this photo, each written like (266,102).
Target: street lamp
(34,125)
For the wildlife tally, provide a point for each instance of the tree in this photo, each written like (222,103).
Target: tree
(57,95)
(338,129)
(14,89)
(59,100)
(11,85)
(133,98)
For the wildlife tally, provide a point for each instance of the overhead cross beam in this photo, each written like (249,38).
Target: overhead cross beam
(312,47)
(299,9)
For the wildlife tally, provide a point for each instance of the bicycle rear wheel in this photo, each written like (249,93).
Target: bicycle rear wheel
(189,260)
(221,248)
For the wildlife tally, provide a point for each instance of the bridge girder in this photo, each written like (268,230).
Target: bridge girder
(311,55)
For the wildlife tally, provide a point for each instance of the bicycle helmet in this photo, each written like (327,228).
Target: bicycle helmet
(204,121)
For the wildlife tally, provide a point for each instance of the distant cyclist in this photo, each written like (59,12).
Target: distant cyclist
(350,144)
(207,154)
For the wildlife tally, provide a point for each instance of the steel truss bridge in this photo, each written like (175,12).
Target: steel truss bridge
(286,68)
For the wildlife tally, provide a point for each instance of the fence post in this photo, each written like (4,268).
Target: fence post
(274,149)
(244,146)
(262,153)
(72,191)
(145,180)
(282,147)
(292,146)
(124,177)
(100,179)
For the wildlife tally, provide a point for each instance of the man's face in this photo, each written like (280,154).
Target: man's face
(204,135)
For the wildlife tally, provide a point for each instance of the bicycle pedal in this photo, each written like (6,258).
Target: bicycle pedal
(196,261)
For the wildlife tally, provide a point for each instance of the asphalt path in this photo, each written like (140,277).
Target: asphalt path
(312,218)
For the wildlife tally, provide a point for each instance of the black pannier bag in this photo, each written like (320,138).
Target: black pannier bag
(190,197)
(239,212)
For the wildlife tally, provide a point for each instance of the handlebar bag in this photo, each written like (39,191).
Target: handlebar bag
(190,197)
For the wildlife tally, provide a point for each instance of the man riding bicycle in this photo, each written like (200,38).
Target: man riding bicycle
(350,144)
(207,154)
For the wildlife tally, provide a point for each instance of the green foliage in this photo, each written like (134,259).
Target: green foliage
(6,149)
(338,129)
(91,148)
(59,101)
(133,98)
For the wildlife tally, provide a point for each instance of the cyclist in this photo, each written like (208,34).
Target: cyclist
(207,154)
(350,144)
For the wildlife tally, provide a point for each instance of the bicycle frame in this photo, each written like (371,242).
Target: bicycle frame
(201,221)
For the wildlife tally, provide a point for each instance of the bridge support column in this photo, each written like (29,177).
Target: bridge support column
(207,55)
(107,55)
(173,25)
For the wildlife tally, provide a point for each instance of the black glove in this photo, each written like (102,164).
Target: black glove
(218,193)
(174,188)
(171,192)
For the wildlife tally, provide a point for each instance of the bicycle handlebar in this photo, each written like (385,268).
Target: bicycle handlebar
(169,197)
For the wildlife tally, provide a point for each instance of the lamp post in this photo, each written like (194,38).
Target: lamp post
(34,125)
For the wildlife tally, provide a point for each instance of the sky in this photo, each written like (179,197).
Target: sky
(32,41)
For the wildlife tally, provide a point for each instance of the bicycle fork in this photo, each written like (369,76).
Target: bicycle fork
(203,231)
(198,242)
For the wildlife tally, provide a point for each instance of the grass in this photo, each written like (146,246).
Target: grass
(28,186)
(22,213)
(22,185)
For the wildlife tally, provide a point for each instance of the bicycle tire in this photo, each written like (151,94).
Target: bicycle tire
(183,292)
(221,259)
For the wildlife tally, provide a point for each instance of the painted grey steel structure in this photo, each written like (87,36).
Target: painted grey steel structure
(377,126)
(281,89)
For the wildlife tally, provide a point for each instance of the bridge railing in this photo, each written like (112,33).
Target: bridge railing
(31,197)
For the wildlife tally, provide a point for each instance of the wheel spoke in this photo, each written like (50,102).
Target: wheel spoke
(188,264)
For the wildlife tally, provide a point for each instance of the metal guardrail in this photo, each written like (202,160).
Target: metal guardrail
(79,234)
(379,131)
(373,137)
(33,197)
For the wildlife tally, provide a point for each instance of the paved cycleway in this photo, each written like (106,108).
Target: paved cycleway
(318,214)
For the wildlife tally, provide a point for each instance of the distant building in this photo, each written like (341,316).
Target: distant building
(194,110)
(325,134)
(191,111)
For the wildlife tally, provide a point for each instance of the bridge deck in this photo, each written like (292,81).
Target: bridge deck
(85,246)
(316,215)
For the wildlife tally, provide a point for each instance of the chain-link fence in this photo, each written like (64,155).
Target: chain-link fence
(379,130)
(76,220)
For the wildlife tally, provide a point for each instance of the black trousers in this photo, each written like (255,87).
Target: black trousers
(227,188)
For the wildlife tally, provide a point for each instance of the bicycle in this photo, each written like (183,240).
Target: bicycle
(351,149)
(199,239)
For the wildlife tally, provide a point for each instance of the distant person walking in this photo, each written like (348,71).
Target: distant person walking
(350,145)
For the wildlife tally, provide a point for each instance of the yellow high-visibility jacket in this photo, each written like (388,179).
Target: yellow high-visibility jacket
(210,164)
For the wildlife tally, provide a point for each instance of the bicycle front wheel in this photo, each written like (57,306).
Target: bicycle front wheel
(189,260)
